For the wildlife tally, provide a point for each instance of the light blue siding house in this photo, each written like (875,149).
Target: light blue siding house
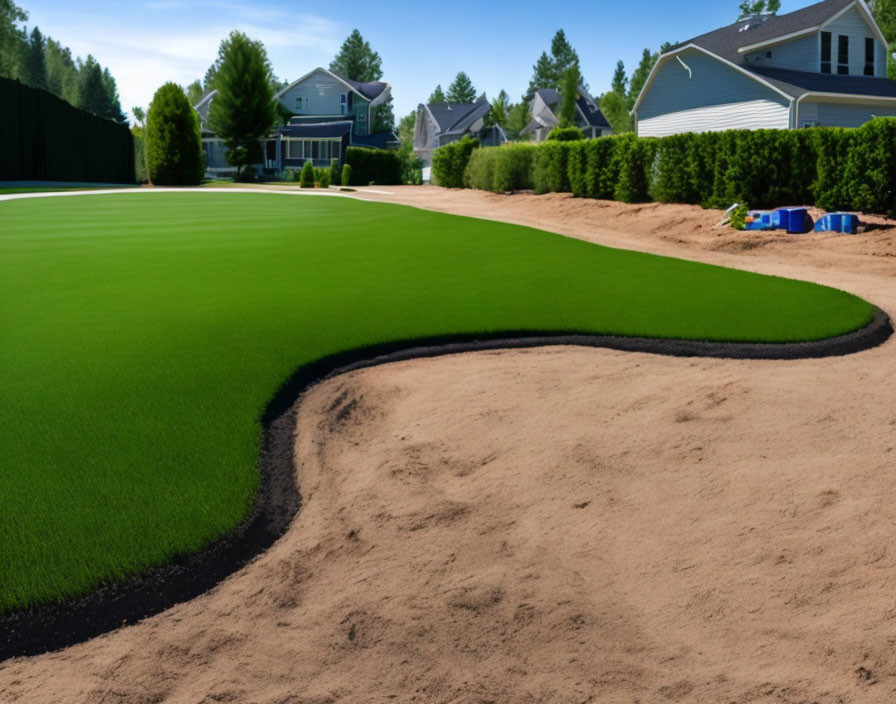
(822,65)
(329,113)
(545,106)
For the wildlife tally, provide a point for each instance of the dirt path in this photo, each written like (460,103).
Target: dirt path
(562,524)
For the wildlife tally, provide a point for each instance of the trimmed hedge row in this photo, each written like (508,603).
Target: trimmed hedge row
(450,161)
(833,168)
(379,166)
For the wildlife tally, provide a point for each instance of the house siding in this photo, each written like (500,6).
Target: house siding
(322,97)
(853,25)
(802,54)
(717,97)
(838,115)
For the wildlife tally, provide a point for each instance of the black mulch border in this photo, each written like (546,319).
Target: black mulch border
(52,627)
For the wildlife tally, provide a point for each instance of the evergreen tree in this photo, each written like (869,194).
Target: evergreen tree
(517,119)
(356,60)
(91,90)
(755,7)
(570,94)
(208,82)
(438,95)
(564,56)
(34,68)
(139,115)
(62,73)
(243,110)
(384,116)
(620,82)
(461,91)
(543,76)
(639,77)
(112,105)
(548,71)
(173,143)
(10,37)
(194,92)
(499,112)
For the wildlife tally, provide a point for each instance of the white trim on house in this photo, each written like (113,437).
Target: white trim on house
(674,53)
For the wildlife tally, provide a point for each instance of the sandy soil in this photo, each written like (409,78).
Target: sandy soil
(562,524)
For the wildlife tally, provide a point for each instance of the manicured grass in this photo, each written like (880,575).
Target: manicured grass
(51,189)
(144,333)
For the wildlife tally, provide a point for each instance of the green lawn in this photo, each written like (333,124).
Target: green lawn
(143,335)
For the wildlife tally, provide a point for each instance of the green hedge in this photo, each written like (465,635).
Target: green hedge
(43,138)
(834,168)
(379,166)
(450,162)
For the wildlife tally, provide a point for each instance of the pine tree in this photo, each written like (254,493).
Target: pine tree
(565,57)
(92,91)
(243,110)
(34,67)
(548,71)
(438,95)
(543,76)
(62,73)
(173,142)
(139,115)
(639,77)
(620,82)
(356,60)
(112,105)
(461,91)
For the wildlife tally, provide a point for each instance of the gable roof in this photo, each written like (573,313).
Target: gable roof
(551,97)
(728,41)
(457,117)
(802,82)
(374,91)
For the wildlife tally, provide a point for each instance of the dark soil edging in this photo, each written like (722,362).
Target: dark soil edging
(278,500)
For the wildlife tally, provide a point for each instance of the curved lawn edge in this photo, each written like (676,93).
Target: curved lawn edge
(278,501)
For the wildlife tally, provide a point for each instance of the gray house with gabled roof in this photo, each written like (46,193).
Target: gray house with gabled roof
(438,124)
(545,106)
(822,65)
(329,114)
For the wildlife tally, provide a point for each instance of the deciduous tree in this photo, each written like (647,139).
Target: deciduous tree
(498,114)
(10,37)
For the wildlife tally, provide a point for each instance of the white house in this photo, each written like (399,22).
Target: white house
(822,65)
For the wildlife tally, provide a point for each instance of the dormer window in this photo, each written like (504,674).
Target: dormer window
(843,54)
(869,56)
(825,52)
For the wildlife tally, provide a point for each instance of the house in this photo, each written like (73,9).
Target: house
(822,65)
(438,124)
(327,114)
(545,106)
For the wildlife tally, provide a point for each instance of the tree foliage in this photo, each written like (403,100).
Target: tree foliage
(569,96)
(34,67)
(438,95)
(548,71)
(885,15)
(614,107)
(461,90)
(755,7)
(243,110)
(639,76)
(619,83)
(356,60)
(194,92)
(499,112)
(172,139)
(10,37)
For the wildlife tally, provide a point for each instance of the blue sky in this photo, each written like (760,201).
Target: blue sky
(147,42)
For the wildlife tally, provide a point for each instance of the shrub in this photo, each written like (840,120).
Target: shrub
(335,172)
(549,172)
(450,161)
(373,166)
(871,167)
(566,134)
(634,163)
(501,169)
(306,180)
(174,155)
(322,177)
(347,175)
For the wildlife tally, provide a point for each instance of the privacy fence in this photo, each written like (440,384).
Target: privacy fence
(833,168)
(43,138)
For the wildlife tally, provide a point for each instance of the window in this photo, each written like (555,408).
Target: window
(343,102)
(869,56)
(298,102)
(825,52)
(294,149)
(843,54)
(351,101)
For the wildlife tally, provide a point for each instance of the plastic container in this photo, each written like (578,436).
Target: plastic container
(838,222)
(796,221)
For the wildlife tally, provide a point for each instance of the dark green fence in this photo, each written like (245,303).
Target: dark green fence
(43,138)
